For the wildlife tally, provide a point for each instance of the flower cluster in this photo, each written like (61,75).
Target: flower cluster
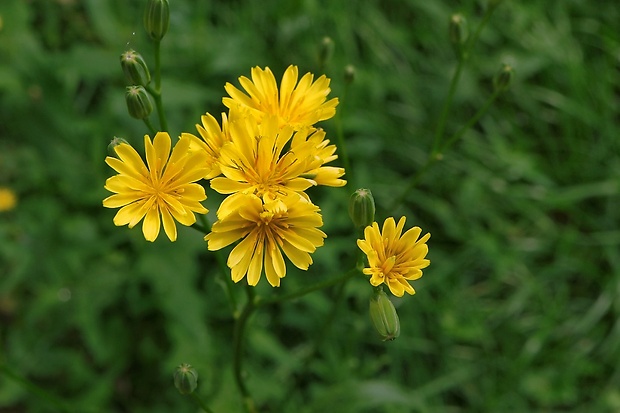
(264,155)
(268,153)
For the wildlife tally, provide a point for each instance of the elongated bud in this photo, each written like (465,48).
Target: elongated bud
(135,68)
(384,316)
(503,78)
(362,208)
(326,51)
(157,18)
(349,74)
(458,32)
(138,102)
(114,143)
(185,379)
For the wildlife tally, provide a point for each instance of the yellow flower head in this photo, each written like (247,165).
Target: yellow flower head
(165,188)
(8,199)
(298,105)
(394,259)
(288,225)
(213,138)
(270,162)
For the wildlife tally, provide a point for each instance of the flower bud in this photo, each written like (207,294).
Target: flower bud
(114,143)
(349,74)
(138,102)
(157,18)
(362,208)
(135,68)
(326,51)
(503,78)
(458,32)
(383,315)
(185,379)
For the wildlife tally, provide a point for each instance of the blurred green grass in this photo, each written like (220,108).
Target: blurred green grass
(519,309)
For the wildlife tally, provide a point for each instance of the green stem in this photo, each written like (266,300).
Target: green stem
(156,92)
(472,121)
(340,136)
(438,149)
(150,127)
(441,126)
(307,290)
(202,405)
(34,389)
(205,228)
(238,346)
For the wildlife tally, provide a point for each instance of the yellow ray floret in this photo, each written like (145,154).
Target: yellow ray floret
(213,138)
(163,190)
(270,162)
(266,230)
(393,259)
(297,105)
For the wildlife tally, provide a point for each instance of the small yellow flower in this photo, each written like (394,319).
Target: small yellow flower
(8,199)
(288,225)
(270,162)
(213,138)
(392,259)
(165,188)
(298,105)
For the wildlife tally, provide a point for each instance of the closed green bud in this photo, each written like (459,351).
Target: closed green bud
(157,18)
(458,32)
(384,316)
(349,74)
(185,379)
(114,143)
(326,51)
(503,78)
(135,68)
(362,208)
(138,102)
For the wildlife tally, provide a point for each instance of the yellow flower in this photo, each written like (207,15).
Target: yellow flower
(394,259)
(8,199)
(213,138)
(257,162)
(298,105)
(166,188)
(288,225)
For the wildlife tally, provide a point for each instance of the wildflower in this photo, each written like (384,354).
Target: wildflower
(392,259)
(213,138)
(288,225)
(165,188)
(8,199)
(257,162)
(296,104)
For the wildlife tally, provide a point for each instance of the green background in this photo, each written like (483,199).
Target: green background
(519,310)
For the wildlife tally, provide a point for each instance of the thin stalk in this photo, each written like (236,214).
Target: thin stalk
(437,148)
(224,270)
(307,290)
(200,403)
(441,126)
(472,121)
(156,92)
(150,127)
(340,136)
(36,390)
(238,346)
